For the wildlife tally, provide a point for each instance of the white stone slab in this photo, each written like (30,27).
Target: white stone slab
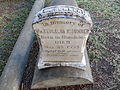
(62,32)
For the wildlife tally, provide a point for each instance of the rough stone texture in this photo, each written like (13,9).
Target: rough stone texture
(13,72)
(63,2)
(62,33)
(62,76)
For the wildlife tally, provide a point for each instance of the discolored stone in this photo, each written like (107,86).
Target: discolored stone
(62,31)
(62,76)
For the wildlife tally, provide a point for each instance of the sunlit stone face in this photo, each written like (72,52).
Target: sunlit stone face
(62,32)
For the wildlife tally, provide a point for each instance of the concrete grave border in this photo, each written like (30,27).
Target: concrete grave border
(12,75)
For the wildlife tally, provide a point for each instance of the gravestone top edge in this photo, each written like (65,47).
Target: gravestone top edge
(62,11)
(62,31)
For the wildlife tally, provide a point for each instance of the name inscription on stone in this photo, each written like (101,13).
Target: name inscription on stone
(62,32)
(62,39)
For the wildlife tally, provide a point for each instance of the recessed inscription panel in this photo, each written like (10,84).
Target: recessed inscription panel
(62,32)
(62,39)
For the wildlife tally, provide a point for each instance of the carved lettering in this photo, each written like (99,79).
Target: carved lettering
(62,32)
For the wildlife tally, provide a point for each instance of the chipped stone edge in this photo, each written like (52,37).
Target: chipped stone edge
(62,11)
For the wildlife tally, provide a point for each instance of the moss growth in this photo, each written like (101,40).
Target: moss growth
(47,2)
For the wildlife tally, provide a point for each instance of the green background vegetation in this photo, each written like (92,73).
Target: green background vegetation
(11,23)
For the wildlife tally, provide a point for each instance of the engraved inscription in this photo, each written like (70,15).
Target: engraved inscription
(62,32)
(62,39)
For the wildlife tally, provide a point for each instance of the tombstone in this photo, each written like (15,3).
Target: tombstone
(62,32)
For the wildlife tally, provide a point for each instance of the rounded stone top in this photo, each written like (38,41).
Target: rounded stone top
(62,11)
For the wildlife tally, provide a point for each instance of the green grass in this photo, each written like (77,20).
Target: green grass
(10,31)
(47,2)
(104,41)
(107,11)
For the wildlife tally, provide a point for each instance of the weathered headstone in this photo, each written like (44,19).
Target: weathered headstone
(62,32)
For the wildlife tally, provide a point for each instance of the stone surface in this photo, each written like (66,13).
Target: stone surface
(62,32)
(63,2)
(62,75)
